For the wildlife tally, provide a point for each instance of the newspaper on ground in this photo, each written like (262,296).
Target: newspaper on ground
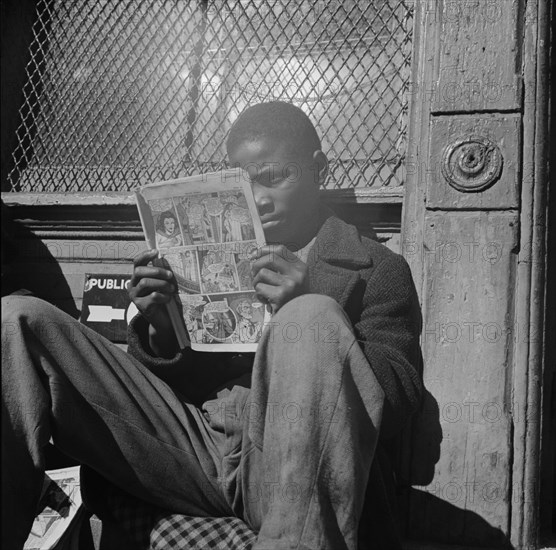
(60,509)
(204,228)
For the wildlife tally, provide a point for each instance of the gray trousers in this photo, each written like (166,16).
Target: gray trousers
(290,456)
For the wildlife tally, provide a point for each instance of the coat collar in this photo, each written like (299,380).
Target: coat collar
(339,244)
(336,258)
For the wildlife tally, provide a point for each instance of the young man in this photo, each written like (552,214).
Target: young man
(287,442)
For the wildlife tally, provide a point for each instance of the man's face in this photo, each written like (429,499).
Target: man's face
(285,187)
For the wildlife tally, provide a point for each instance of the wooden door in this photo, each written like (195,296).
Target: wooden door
(473,232)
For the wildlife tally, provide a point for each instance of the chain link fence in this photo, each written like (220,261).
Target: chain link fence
(126,92)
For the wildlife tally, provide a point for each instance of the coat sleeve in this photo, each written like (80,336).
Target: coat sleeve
(168,370)
(194,375)
(388,331)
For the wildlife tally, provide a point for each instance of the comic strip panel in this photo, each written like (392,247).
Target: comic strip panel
(243,264)
(185,266)
(166,223)
(219,217)
(218,270)
(223,319)
(236,221)
(250,313)
(192,310)
(201,226)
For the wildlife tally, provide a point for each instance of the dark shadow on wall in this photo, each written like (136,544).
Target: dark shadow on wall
(433,518)
(17,278)
(28,266)
(448,524)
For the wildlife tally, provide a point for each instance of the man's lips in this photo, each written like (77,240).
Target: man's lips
(269,222)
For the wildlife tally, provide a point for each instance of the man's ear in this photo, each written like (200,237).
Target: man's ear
(320,162)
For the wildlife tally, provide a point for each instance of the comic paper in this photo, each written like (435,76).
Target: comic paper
(204,228)
(60,507)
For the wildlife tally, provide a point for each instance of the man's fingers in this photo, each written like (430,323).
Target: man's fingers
(278,250)
(150,306)
(145,303)
(261,251)
(275,262)
(268,277)
(143,258)
(267,261)
(151,272)
(147,285)
(269,294)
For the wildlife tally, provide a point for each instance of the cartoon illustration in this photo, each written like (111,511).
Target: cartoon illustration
(249,331)
(184,268)
(219,325)
(243,266)
(206,238)
(232,225)
(185,229)
(244,274)
(213,215)
(218,272)
(194,215)
(210,283)
(193,322)
(190,266)
(215,218)
(192,309)
(167,230)
(237,224)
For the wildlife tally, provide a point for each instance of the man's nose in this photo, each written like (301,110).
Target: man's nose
(262,199)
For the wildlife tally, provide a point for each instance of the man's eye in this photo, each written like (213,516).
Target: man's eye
(268,181)
(292,172)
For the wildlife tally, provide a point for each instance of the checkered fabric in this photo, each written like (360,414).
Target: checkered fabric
(177,531)
(136,518)
(155,529)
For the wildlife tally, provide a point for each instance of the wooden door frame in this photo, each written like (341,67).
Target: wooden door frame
(528,358)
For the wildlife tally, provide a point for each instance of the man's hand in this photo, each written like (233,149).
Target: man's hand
(150,289)
(278,275)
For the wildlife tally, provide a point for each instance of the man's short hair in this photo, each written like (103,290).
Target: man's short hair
(278,121)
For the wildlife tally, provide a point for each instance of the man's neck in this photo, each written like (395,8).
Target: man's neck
(310,232)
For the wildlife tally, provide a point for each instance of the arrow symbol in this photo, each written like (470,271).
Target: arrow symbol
(105,314)
(132,311)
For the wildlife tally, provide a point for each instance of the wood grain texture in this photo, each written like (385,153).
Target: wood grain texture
(478,56)
(469,275)
(531,365)
(468,69)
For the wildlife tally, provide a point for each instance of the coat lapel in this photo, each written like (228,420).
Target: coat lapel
(336,259)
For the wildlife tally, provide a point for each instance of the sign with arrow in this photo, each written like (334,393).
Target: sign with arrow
(107,307)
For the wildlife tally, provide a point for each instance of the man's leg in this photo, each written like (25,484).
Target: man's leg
(314,409)
(103,408)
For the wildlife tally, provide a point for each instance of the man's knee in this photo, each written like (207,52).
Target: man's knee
(309,308)
(29,312)
(309,320)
